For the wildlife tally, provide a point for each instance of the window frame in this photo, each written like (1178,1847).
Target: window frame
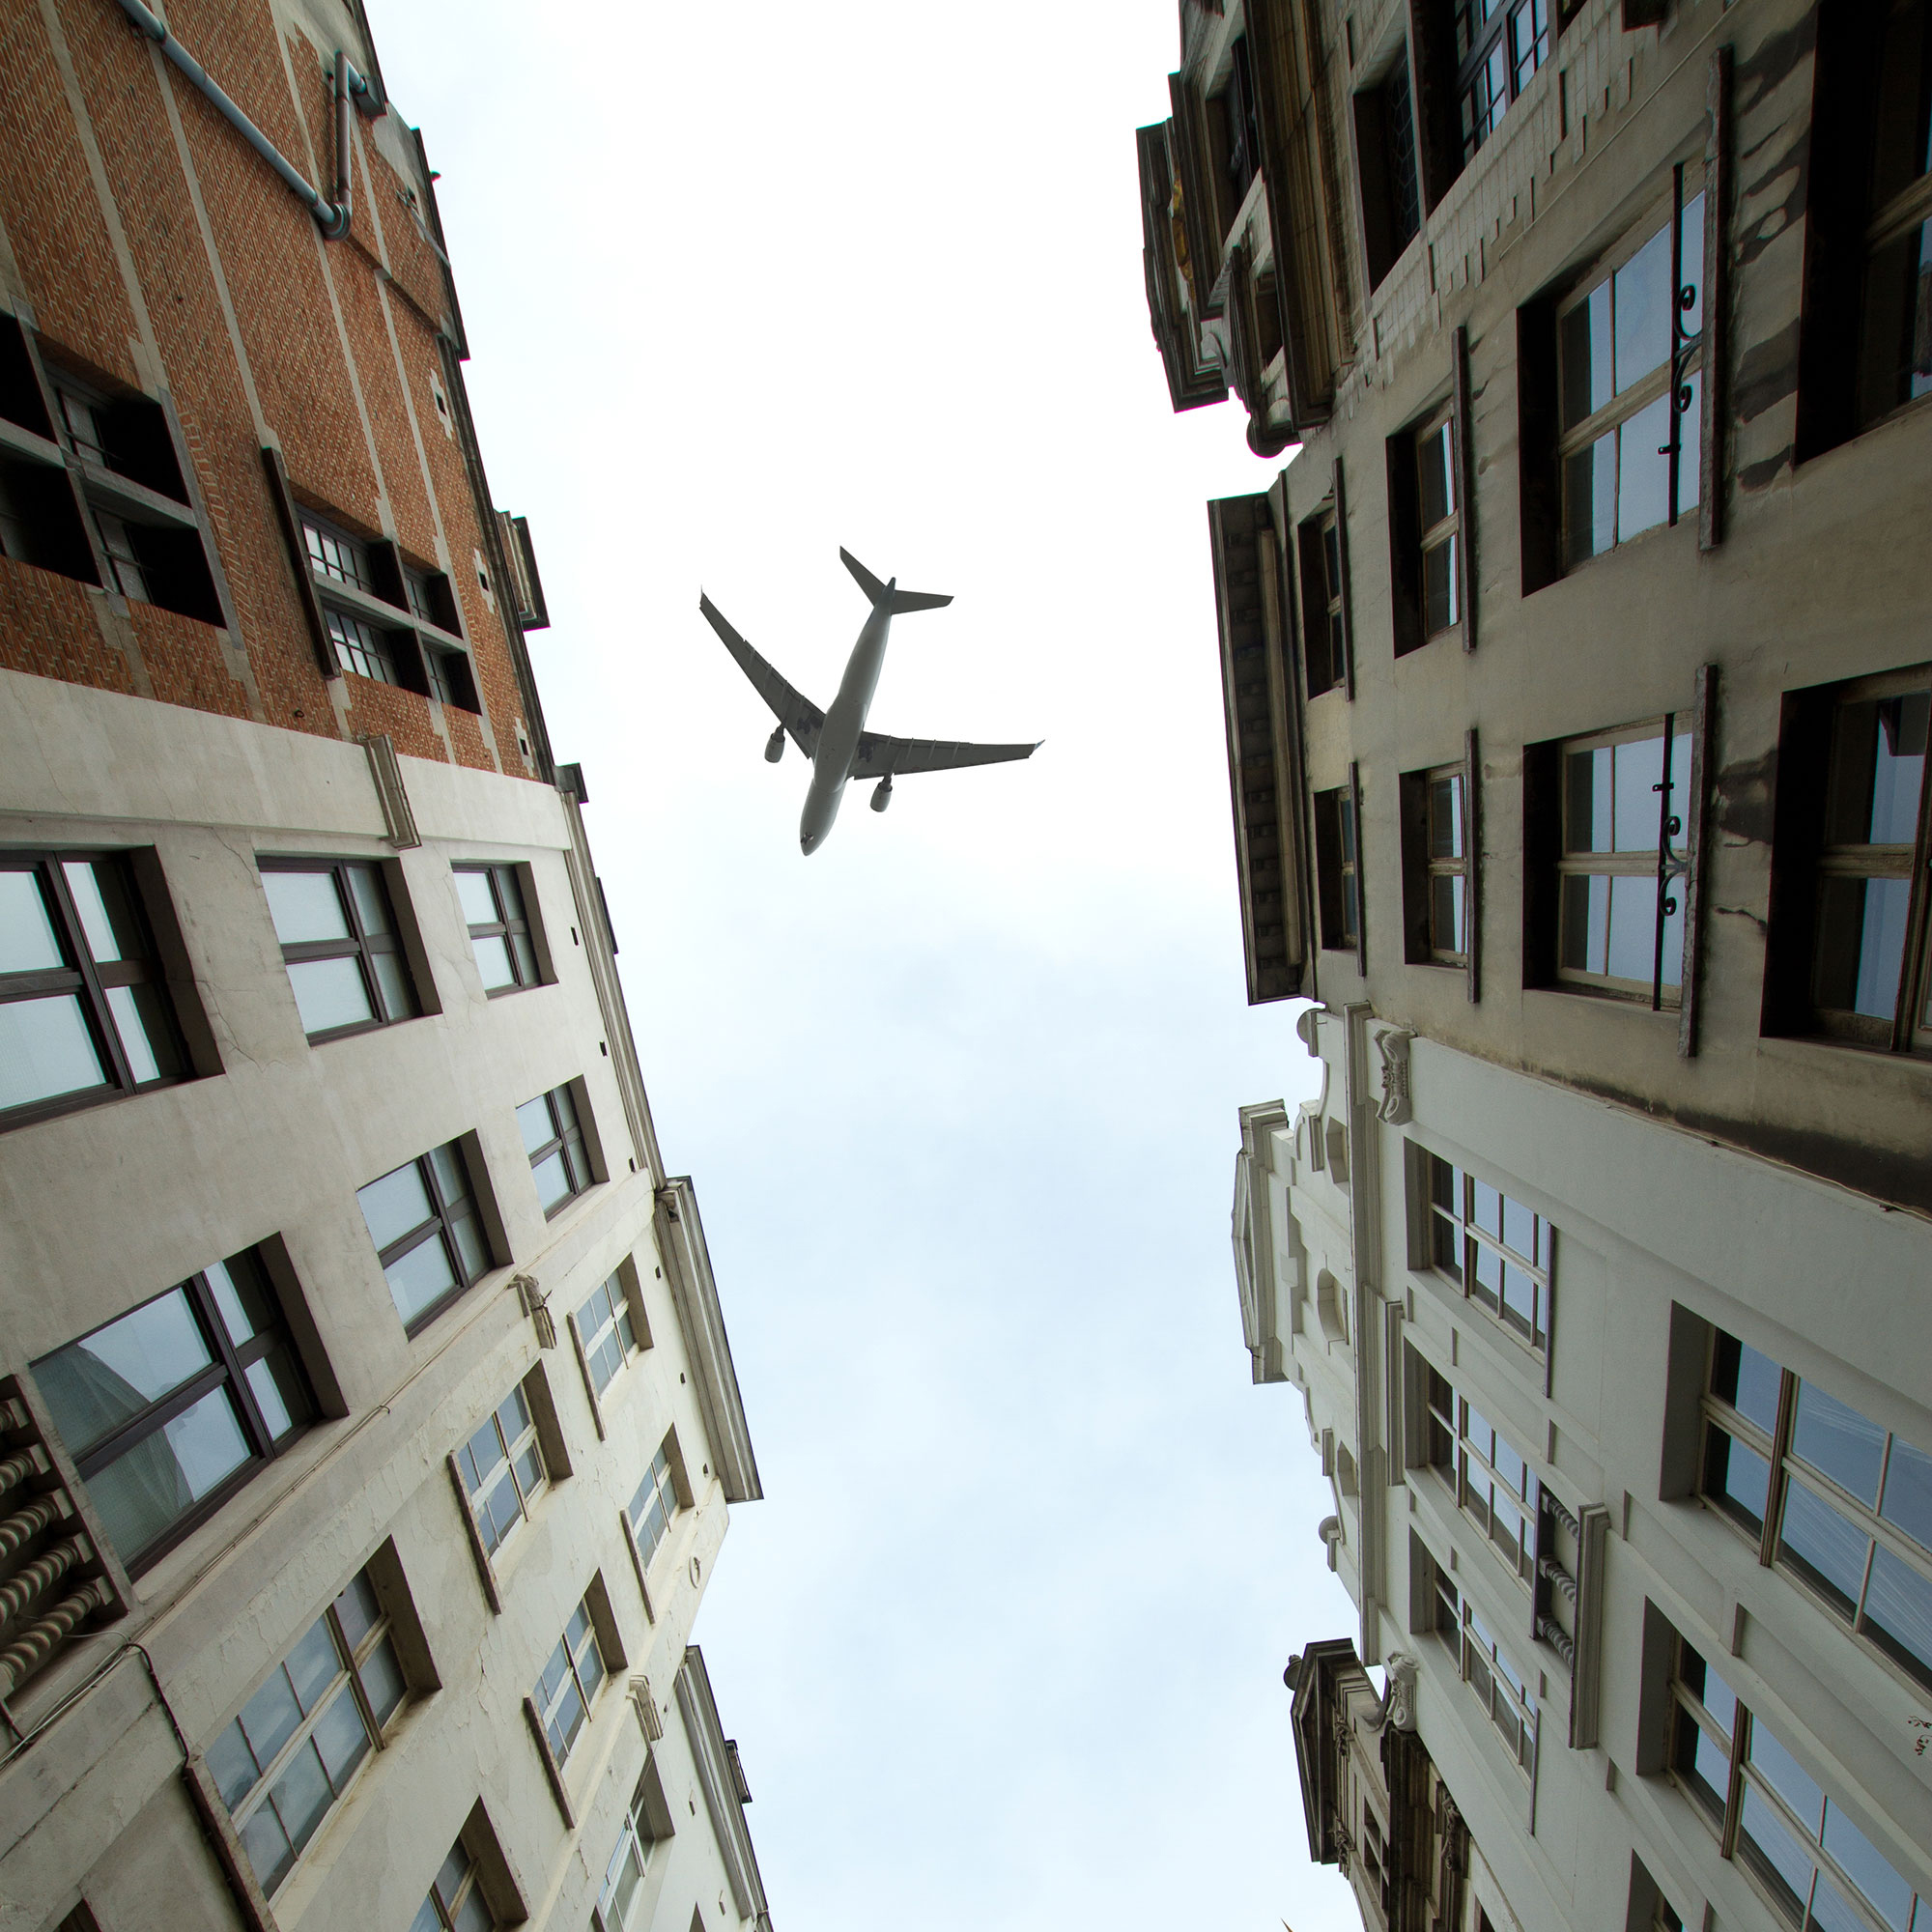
(376,1731)
(445,1915)
(227,1369)
(510,929)
(443,1216)
(647,1825)
(1390,151)
(481,1486)
(1691,1717)
(82,977)
(1485,37)
(547,1703)
(1423,864)
(1321,546)
(360,944)
(618,1324)
(1338,858)
(1680,376)
(667,1492)
(1719,1418)
(1445,533)
(568,1138)
(1471,1237)
(1454,1617)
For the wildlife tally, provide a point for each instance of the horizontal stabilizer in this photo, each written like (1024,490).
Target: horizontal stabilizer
(902,601)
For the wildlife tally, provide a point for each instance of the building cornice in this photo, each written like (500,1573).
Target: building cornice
(711,1755)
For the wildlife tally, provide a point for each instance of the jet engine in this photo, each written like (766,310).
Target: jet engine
(774,745)
(882,793)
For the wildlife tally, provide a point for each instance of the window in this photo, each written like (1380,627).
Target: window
(1620,888)
(503,1470)
(1391,188)
(362,648)
(1850,845)
(1439,521)
(423,1221)
(455,1901)
(337,555)
(300,1739)
(569,1685)
(168,1410)
(1498,50)
(1236,130)
(1828,1495)
(653,1508)
(339,942)
(1435,864)
(646,1823)
(84,1009)
(1498,1686)
(500,930)
(554,1142)
(606,1332)
(1325,622)
(1896,359)
(1338,869)
(1804,1854)
(1492,1481)
(1630,343)
(1495,1250)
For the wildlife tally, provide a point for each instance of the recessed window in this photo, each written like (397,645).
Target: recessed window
(554,1142)
(1494,1249)
(1620,891)
(339,941)
(605,1331)
(1235,130)
(335,555)
(456,1902)
(1325,639)
(1850,914)
(362,648)
(1338,869)
(1828,1495)
(1497,1684)
(652,1510)
(1498,50)
(422,1218)
(171,1407)
(1492,1480)
(1629,346)
(1896,359)
(499,928)
(1793,1840)
(84,1009)
(646,1825)
(291,1754)
(1440,516)
(1435,864)
(1390,186)
(567,1690)
(503,1470)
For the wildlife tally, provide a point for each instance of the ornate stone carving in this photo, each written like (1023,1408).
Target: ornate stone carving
(1305,1026)
(1343,1734)
(1399,1699)
(1392,1043)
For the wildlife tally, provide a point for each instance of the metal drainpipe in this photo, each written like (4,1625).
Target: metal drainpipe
(331,217)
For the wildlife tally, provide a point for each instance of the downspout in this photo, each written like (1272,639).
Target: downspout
(332,217)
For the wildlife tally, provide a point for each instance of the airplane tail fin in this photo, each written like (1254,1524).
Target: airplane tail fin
(902,601)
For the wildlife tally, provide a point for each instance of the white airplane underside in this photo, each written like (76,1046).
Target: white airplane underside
(837,742)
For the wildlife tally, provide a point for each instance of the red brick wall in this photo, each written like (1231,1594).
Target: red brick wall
(339,340)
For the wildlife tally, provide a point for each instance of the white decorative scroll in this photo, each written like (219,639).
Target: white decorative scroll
(1392,1043)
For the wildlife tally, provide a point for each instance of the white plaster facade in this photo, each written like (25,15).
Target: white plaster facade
(104,1208)
(1657,1241)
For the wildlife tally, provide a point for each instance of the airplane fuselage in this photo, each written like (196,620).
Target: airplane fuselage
(844,725)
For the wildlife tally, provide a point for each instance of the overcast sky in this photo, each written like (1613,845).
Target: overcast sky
(1003,1645)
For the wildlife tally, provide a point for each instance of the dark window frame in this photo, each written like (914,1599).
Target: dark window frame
(443,1216)
(1388,159)
(1423,864)
(360,945)
(226,1370)
(1338,866)
(1453,1239)
(567,1139)
(1477,41)
(1328,665)
(82,976)
(506,927)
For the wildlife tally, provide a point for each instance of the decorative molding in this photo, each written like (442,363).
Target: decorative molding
(534,1303)
(1307,1026)
(1329,1530)
(1392,1046)
(646,1707)
(1399,1698)
(387,769)
(711,1758)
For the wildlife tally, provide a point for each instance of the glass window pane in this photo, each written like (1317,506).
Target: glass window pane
(1898,1614)
(470,1251)
(1643,470)
(395,1204)
(1437,475)
(1691,445)
(1786,1776)
(427,1919)
(269,1719)
(421,1276)
(451,1175)
(371,902)
(1644,302)
(142,1493)
(141,1020)
(1439,603)
(1736,1476)
(1827,1549)
(45,1050)
(1640,774)
(341,1739)
(1860,945)
(1486,1207)
(278,1393)
(301,1796)
(1781,1859)
(1747,1379)
(1445,818)
(305,906)
(508,892)
(525,956)
(267,1844)
(1586,357)
(106,916)
(1908,1493)
(392,979)
(383,1680)
(1589,799)
(1867,1868)
(97,1383)
(27,939)
(1590,500)
(357,1611)
(1838,1441)
(313,1664)
(330,993)
(533,1122)
(1878,764)
(479,907)
(1445,912)
(493,961)
(1633,941)
(1519,1227)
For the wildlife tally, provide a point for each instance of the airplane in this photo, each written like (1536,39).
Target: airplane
(835,741)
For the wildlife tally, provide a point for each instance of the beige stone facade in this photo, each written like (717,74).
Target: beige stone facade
(1629,1454)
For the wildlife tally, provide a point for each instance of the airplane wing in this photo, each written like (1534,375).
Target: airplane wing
(879,756)
(802,718)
